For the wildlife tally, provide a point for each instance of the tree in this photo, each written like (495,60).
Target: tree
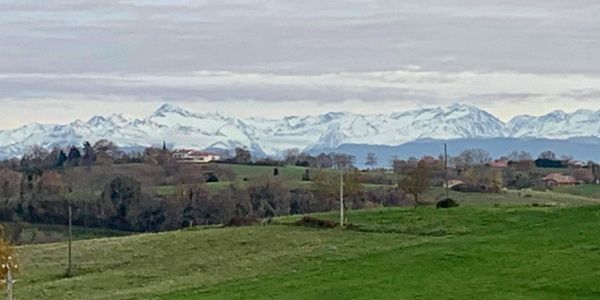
(89,155)
(36,157)
(417,181)
(292,156)
(122,195)
(401,166)
(242,156)
(106,146)
(371,160)
(472,157)
(353,190)
(74,156)
(324,161)
(516,156)
(343,161)
(269,199)
(61,159)
(9,188)
(488,178)
(326,185)
(548,155)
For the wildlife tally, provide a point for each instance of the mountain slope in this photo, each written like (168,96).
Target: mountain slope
(182,128)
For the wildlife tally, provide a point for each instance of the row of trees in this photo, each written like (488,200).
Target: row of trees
(124,204)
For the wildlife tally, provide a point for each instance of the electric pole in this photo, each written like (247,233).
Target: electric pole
(9,265)
(341,197)
(69,267)
(446,167)
(9,285)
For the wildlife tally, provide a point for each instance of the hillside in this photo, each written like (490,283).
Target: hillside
(541,252)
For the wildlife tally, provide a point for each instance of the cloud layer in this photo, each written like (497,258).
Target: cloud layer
(506,56)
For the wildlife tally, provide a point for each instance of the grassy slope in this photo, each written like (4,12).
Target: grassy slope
(493,254)
(513,197)
(584,190)
(476,251)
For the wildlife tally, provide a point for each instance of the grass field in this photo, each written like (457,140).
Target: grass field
(475,251)
(584,190)
(290,176)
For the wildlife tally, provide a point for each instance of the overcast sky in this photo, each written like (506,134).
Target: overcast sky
(62,60)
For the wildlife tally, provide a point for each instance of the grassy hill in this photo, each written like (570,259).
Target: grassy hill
(510,251)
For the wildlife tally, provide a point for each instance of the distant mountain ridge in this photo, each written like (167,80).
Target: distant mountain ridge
(182,128)
(580,148)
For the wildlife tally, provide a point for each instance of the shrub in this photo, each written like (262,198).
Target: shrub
(241,221)
(316,222)
(211,177)
(446,203)
(306,175)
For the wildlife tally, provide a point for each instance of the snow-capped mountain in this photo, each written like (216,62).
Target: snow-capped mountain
(557,125)
(181,128)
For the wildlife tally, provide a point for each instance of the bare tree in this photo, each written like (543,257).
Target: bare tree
(324,161)
(291,156)
(417,181)
(519,156)
(343,161)
(472,157)
(548,155)
(371,160)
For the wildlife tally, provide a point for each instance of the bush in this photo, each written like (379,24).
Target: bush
(446,203)
(306,175)
(316,222)
(211,177)
(474,188)
(241,221)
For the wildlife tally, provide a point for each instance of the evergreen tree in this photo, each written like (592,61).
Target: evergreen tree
(74,156)
(61,159)
(89,155)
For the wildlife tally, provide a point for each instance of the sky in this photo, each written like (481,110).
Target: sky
(62,60)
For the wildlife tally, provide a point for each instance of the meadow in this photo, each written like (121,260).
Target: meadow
(498,246)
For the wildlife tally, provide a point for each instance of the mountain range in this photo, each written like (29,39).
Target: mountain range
(181,128)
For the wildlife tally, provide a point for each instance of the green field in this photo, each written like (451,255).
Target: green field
(476,251)
(290,176)
(584,190)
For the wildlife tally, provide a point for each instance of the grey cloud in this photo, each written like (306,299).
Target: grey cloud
(582,94)
(306,37)
(506,98)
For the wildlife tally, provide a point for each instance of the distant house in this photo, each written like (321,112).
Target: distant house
(429,160)
(499,164)
(193,156)
(454,182)
(556,179)
(578,163)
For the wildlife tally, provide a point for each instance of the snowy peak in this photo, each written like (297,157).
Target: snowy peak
(183,128)
(557,124)
(170,109)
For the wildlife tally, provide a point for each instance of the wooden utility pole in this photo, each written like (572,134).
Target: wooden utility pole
(69,267)
(9,265)
(341,197)
(446,167)
(9,285)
